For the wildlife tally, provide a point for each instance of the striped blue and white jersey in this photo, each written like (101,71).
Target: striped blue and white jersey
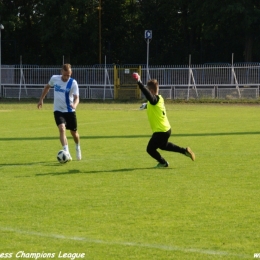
(63,93)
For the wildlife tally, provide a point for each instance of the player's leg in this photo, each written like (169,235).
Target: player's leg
(76,139)
(72,126)
(177,149)
(61,124)
(75,136)
(152,147)
(168,146)
(63,138)
(173,148)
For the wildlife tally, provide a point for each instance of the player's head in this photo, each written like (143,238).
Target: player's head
(66,72)
(153,86)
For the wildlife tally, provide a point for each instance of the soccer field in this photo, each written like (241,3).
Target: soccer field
(114,205)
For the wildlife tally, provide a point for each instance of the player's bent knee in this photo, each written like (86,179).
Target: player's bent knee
(62,128)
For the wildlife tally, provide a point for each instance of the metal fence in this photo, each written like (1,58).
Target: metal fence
(223,81)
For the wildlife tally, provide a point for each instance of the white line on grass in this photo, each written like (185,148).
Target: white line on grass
(133,244)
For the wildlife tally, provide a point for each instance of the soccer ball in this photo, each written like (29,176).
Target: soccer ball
(63,156)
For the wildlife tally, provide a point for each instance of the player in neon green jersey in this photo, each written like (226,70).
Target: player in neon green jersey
(159,123)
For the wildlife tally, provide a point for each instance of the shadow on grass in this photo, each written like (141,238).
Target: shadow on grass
(126,136)
(27,164)
(74,171)
(56,164)
(95,171)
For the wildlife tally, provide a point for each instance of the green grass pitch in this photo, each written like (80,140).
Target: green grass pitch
(113,204)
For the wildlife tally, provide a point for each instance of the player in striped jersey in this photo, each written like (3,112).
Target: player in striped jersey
(66,100)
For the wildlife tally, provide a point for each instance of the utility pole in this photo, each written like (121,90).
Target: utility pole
(1,28)
(99,29)
(148,38)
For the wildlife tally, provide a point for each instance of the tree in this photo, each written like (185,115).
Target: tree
(45,31)
(67,30)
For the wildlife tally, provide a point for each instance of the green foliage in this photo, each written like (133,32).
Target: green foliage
(44,31)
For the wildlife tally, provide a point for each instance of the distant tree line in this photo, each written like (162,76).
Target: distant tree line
(84,32)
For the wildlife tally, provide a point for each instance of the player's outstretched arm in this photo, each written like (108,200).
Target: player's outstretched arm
(136,76)
(153,99)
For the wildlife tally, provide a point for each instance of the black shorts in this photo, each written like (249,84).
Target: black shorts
(159,140)
(67,118)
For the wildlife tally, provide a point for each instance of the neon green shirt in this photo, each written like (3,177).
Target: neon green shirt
(157,116)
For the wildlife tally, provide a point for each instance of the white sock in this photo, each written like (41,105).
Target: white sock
(77,146)
(66,148)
